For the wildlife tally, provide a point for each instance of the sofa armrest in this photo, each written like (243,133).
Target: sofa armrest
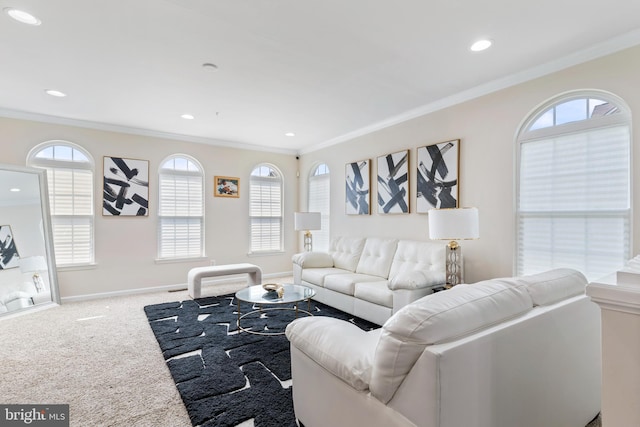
(338,346)
(313,260)
(416,279)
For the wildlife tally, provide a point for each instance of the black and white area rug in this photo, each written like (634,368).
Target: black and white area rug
(225,376)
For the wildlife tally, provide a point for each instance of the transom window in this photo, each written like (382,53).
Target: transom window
(265,208)
(70,180)
(573,186)
(320,201)
(180,208)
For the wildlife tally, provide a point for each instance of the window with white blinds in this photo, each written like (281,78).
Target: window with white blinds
(180,208)
(265,209)
(319,201)
(70,181)
(573,193)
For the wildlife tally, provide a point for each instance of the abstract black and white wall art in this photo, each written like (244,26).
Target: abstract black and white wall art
(437,179)
(393,183)
(357,179)
(9,257)
(126,187)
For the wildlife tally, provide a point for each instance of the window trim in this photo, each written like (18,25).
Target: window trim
(326,217)
(42,163)
(201,173)
(525,135)
(281,249)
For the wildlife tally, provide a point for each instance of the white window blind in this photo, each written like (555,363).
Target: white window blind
(319,201)
(180,209)
(265,209)
(70,182)
(574,207)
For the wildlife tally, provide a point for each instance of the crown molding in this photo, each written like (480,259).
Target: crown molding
(596,51)
(45,118)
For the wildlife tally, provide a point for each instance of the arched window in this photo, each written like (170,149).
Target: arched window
(573,185)
(319,201)
(70,180)
(180,208)
(265,208)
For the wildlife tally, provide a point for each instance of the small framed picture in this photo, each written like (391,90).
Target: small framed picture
(226,186)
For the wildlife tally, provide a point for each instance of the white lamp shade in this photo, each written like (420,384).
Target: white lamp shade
(304,221)
(454,224)
(33,264)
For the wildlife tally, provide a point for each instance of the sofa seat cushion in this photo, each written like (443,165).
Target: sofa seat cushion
(318,275)
(346,283)
(441,317)
(346,252)
(377,256)
(553,286)
(375,292)
(339,347)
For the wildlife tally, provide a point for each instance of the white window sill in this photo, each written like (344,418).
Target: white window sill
(265,253)
(176,260)
(73,267)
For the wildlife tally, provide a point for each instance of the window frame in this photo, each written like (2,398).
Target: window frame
(47,164)
(527,135)
(325,217)
(280,177)
(162,258)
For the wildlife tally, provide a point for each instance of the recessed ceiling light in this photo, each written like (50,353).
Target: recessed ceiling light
(54,92)
(187,116)
(289,134)
(209,66)
(481,45)
(22,16)
(14,190)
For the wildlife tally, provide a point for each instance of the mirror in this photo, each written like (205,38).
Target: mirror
(28,277)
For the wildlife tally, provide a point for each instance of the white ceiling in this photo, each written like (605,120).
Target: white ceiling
(326,70)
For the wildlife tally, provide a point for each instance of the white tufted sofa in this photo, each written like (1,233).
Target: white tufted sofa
(372,277)
(507,352)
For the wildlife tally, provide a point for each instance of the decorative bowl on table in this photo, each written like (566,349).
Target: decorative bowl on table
(276,288)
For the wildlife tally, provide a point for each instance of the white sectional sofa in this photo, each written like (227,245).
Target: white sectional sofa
(371,278)
(507,352)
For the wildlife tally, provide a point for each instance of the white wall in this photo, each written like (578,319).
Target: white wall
(121,267)
(486,127)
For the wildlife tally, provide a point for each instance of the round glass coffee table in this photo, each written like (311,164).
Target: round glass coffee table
(257,295)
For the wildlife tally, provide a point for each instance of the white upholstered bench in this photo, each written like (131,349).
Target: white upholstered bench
(195,276)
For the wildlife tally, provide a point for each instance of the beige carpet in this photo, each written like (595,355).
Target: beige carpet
(100,357)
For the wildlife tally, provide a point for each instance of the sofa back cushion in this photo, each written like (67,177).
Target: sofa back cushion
(553,286)
(377,256)
(346,252)
(427,258)
(441,317)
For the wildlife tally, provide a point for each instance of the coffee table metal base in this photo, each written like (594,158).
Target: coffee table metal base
(262,310)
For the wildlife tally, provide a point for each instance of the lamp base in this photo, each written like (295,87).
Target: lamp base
(308,243)
(454,272)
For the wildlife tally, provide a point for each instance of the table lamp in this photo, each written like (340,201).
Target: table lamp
(453,225)
(307,221)
(34,264)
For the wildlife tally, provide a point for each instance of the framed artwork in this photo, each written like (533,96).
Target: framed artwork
(393,183)
(9,257)
(226,186)
(125,187)
(437,183)
(357,180)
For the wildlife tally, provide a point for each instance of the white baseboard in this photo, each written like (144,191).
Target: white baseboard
(166,288)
